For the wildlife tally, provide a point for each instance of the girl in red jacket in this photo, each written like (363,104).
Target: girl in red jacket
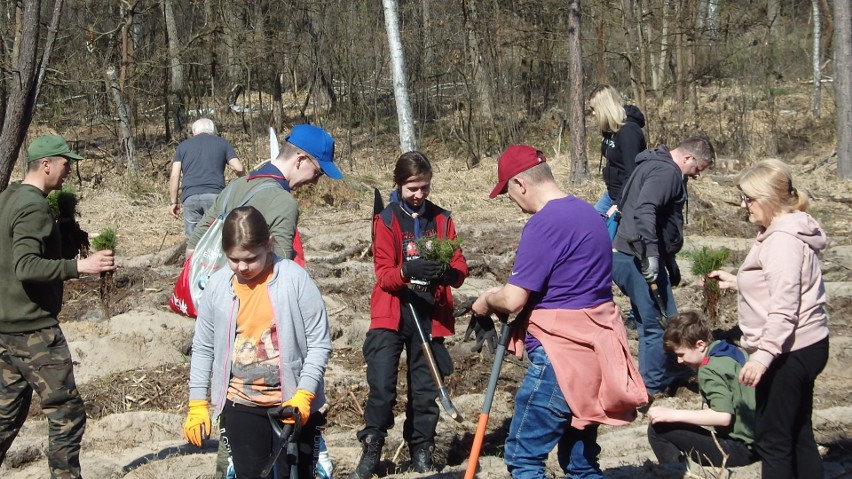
(402,276)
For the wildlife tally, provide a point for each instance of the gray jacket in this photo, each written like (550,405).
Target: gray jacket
(652,206)
(304,340)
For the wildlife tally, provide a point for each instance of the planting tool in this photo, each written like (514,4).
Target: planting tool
(663,318)
(479,437)
(426,346)
(286,437)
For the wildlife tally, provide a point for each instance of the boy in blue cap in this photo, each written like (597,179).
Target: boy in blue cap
(306,155)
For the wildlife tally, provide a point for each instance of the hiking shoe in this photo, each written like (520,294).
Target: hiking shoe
(421,458)
(370,455)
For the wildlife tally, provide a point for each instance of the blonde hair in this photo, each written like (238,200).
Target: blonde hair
(771,183)
(609,108)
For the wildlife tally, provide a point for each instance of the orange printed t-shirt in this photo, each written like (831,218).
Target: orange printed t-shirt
(255,374)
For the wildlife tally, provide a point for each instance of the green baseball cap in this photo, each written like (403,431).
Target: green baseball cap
(50,145)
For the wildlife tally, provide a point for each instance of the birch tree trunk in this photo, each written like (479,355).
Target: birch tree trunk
(23,93)
(176,88)
(125,135)
(843,86)
(576,102)
(405,118)
(817,71)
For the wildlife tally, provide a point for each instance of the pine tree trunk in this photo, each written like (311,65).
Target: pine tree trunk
(576,102)
(23,93)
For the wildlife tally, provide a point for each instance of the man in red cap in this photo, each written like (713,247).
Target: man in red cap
(562,279)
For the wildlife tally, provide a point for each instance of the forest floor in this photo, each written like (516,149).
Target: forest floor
(132,370)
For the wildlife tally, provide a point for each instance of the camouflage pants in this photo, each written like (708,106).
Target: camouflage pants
(40,361)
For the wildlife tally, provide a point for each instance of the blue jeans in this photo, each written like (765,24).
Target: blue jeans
(194,208)
(602,206)
(542,420)
(654,363)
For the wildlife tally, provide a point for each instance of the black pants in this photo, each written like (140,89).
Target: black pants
(672,440)
(785,400)
(382,352)
(248,437)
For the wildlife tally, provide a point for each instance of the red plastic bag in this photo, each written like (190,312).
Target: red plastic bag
(181,300)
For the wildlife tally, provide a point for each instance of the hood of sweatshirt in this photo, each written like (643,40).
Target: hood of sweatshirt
(661,154)
(802,226)
(635,115)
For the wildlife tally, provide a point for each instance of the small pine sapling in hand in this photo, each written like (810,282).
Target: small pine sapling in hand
(105,241)
(703,262)
(438,249)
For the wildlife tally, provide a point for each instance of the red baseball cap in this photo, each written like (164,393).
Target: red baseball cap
(514,160)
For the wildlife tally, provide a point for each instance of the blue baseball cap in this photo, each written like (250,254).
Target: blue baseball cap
(314,141)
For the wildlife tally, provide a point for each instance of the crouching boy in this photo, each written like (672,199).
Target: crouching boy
(674,433)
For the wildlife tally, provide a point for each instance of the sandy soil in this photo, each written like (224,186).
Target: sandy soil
(132,369)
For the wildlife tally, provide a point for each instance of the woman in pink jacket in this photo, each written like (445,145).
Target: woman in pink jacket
(782,315)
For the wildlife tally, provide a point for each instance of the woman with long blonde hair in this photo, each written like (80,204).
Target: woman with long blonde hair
(622,139)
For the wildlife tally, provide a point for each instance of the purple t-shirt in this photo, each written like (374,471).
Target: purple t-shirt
(564,258)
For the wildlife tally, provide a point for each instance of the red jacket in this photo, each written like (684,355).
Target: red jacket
(387,259)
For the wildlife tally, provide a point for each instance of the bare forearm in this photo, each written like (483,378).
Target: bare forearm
(174,183)
(703,417)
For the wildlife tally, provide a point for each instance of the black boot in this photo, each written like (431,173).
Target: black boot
(421,458)
(370,456)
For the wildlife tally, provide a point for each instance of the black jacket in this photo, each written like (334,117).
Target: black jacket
(620,150)
(652,206)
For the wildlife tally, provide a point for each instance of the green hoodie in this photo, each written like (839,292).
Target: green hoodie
(31,263)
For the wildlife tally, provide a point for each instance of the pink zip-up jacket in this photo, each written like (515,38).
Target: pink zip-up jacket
(781,291)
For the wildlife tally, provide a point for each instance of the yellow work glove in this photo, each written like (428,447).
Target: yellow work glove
(197,425)
(301,401)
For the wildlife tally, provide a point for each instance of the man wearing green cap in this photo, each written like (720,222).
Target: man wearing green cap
(34,355)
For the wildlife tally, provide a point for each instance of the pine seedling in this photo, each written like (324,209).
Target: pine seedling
(63,203)
(105,241)
(703,262)
(438,249)
(63,208)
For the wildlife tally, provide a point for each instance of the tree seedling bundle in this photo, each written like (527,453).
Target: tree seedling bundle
(438,249)
(105,241)
(63,206)
(704,261)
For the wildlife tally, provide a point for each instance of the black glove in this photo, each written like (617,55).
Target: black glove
(424,269)
(450,277)
(673,270)
(483,327)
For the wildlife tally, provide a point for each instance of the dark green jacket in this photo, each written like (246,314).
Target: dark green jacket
(32,270)
(718,382)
